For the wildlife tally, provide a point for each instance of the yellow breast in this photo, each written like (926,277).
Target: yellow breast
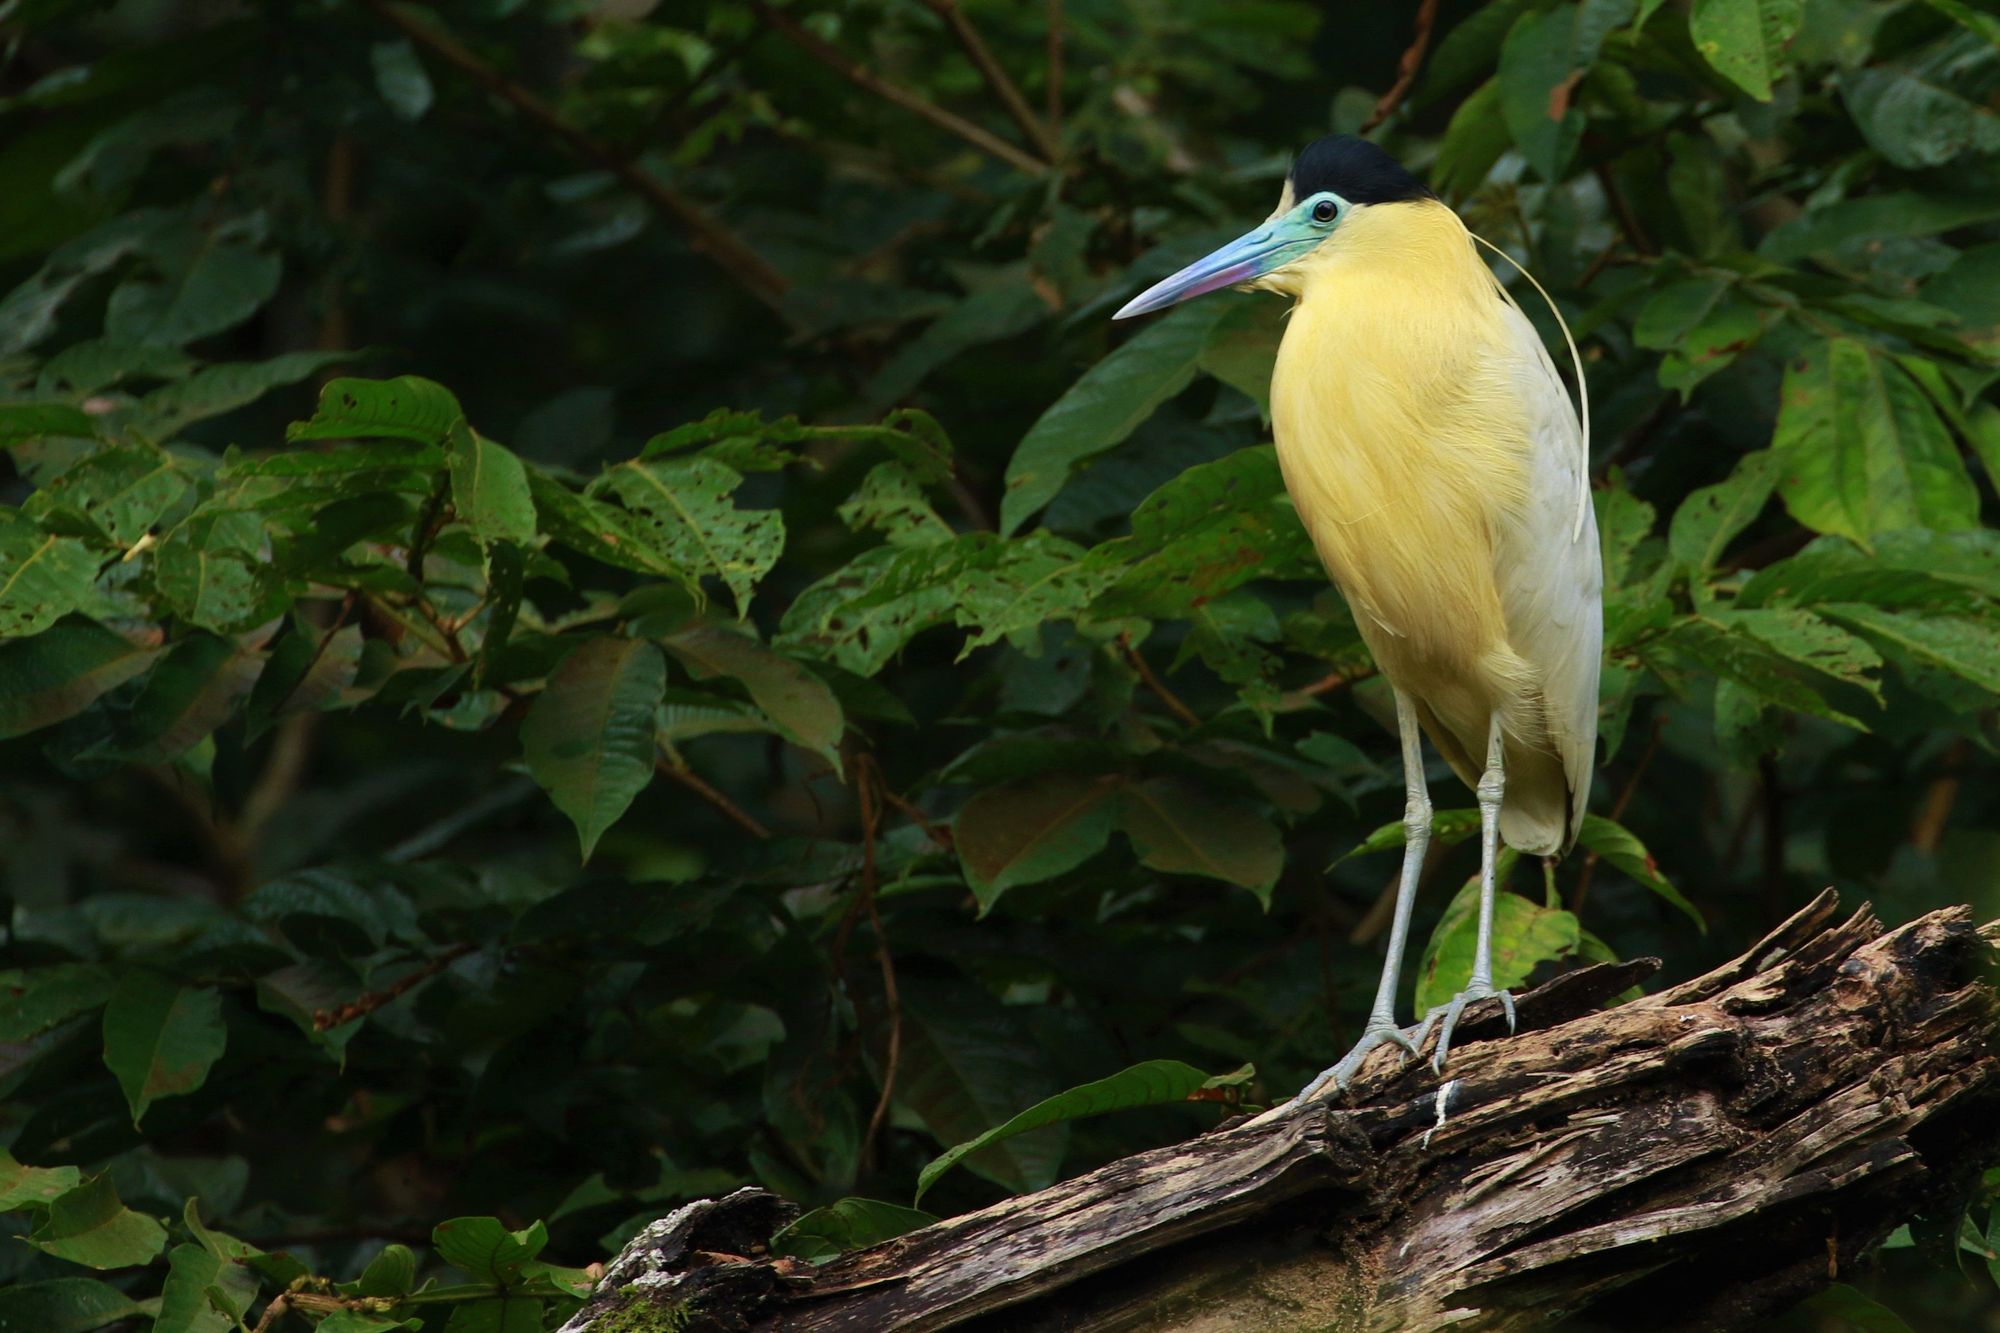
(1400,440)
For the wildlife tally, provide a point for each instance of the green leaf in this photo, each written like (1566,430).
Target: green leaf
(589,738)
(846,1224)
(196,688)
(214,390)
(21,1186)
(1150,1083)
(400,78)
(1911,117)
(41,997)
(489,489)
(58,673)
(215,570)
(1178,830)
(487,1251)
(1861,449)
(683,506)
(392,1272)
(1613,842)
(1873,219)
(966,1064)
(1986,25)
(207,280)
(1542,61)
(115,496)
(1965,648)
(43,577)
(404,408)
(801,705)
(23,422)
(1448,829)
(1745,39)
(1112,400)
(1473,143)
(204,1293)
(91,1226)
(160,1038)
(601,531)
(1026,832)
(890,501)
(64,1305)
(1710,518)
(1242,348)
(1840,1308)
(497,1314)
(1525,935)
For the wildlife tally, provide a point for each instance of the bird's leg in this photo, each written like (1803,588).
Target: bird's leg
(1382,1029)
(1492,788)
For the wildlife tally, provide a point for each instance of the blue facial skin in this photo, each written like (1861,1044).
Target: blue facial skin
(1271,246)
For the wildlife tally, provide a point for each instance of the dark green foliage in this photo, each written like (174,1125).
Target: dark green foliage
(402,505)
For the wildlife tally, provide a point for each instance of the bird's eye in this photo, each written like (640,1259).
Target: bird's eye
(1324,210)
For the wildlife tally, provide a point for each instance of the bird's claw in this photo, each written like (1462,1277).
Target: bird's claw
(1344,1069)
(1451,1011)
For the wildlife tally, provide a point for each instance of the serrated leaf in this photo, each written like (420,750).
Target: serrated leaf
(1113,399)
(1745,40)
(22,1186)
(1525,935)
(43,577)
(1615,843)
(160,1038)
(64,1305)
(683,506)
(90,1225)
(1178,830)
(1710,518)
(846,1224)
(1026,832)
(1149,1083)
(801,705)
(487,1251)
(58,673)
(588,738)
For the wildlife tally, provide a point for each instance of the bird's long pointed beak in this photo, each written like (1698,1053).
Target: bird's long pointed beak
(1251,256)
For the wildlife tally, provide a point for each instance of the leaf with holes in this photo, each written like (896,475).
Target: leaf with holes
(683,507)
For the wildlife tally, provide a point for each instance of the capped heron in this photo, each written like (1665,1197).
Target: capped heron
(1433,455)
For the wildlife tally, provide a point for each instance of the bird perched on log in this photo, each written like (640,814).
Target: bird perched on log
(1431,450)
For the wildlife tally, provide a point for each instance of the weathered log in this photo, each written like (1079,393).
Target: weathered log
(1697,1158)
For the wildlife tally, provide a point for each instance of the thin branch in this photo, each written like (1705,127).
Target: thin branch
(935,832)
(688,778)
(1055,71)
(325,1020)
(273,1312)
(868,781)
(1935,811)
(706,233)
(1618,808)
(1155,684)
(1334,680)
(996,77)
(1407,67)
(862,77)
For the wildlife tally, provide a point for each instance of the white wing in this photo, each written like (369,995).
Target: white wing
(1550,573)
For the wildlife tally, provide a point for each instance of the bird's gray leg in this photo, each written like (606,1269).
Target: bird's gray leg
(1492,789)
(1382,1029)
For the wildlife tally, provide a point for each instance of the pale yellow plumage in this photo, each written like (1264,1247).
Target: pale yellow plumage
(1431,451)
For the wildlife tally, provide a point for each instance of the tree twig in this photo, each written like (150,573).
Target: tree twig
(869,780)
(1407,67)
(361,1006)
(996,78)
(693,781)
(1939,798)
(862,77)
(706,233)
(1155,684)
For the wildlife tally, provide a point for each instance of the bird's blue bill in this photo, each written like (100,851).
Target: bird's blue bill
(1270,247)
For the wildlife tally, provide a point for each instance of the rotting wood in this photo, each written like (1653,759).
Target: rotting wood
(1694,1159)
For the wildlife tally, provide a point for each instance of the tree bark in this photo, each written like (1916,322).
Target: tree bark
(1699,1158)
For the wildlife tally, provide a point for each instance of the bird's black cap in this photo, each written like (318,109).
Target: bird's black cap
(1354,169)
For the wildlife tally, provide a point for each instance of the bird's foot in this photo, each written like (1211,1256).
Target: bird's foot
(1445,1018)
(1343,1070)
